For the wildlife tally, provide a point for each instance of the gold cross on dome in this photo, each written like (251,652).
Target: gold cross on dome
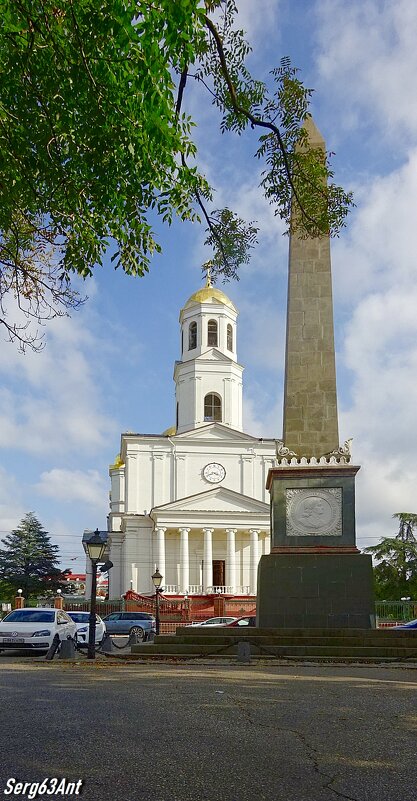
(207,269)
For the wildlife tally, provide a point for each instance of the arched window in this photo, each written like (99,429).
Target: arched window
(212,334)
(229,337)
(212,408)
(192,336)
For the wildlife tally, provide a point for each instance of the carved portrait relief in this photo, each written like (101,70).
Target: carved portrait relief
(314,512)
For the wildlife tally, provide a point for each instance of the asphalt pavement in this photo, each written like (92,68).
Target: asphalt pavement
(209,732)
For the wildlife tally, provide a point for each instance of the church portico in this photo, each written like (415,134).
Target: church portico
(210,554)
(209,560)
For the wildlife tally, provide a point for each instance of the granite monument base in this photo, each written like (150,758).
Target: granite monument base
(316,590)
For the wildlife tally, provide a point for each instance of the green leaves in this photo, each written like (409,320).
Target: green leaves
(395,570)
(231,240)
(93,141)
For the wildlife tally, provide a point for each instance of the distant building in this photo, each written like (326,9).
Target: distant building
(192,501)
(75,584)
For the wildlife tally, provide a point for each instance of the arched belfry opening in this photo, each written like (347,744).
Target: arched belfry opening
(192,336)
(212,334)
(212,408)
(229,337)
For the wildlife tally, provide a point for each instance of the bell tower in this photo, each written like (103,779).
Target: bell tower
(208,378)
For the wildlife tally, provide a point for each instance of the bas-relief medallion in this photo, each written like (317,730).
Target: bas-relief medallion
(314,512)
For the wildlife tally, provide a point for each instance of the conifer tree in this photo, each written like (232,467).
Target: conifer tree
(28,559)
(395,570)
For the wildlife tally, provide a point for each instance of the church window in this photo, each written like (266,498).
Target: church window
(229,337)
(212,408)
(192,336)
(212,334)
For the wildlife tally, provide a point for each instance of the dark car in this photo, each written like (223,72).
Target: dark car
(140,623)
(247,620)
(412,624)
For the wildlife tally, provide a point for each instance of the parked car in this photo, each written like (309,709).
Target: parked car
(412,624)
(140,623)
(35,628)
(247,620)
(214,621)
(82,621)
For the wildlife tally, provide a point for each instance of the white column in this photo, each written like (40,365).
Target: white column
(88,576)
(117,494)
(198,402)
(254,559)
(160,552)
(132,481)
(231,558)
(247,475)
(184,560)
(159,494)
(134,579)
(115,574)
(181,483)
(208,559)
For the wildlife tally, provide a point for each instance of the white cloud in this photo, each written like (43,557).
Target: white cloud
(379,247)
(11,505)
(381,350)
(53,397)
(368,59)
(261,418)
(255,20)
(74,485)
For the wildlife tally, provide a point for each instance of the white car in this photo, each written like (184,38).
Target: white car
(214,621)
(82,621)
(34,629)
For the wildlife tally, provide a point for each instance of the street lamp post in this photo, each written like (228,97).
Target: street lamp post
(157,580)
(95,549)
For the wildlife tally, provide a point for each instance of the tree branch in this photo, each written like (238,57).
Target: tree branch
(255,121)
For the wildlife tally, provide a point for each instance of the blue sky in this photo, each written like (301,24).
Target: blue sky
(109,368)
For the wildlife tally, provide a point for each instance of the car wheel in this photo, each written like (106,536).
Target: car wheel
(140,634)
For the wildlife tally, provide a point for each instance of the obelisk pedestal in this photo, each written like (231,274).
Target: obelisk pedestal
(314,577)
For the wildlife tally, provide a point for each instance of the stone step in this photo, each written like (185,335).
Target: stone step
(226,631)
(348,640)
(276,650)
(173,656)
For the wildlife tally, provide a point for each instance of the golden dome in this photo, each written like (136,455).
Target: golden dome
(170,432)
(209,294)
(118,462)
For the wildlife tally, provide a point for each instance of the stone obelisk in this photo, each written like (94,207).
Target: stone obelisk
(314,577)
(310,400)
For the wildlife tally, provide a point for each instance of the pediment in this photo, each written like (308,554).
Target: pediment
(219,499)
(216,431)
(214,355)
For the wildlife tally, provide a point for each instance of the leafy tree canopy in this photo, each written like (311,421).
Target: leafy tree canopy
(28,560)
(395,571)
(94,142)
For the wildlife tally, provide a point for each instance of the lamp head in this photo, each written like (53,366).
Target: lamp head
(157,579)
(95,546)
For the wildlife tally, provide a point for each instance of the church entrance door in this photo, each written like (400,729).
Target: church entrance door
(218,572)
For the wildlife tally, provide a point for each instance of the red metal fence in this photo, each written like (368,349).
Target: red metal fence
(173,611)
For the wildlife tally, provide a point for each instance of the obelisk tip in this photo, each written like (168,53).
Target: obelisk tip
(315,137)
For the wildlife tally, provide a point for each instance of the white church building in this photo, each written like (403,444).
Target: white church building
(192,501)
